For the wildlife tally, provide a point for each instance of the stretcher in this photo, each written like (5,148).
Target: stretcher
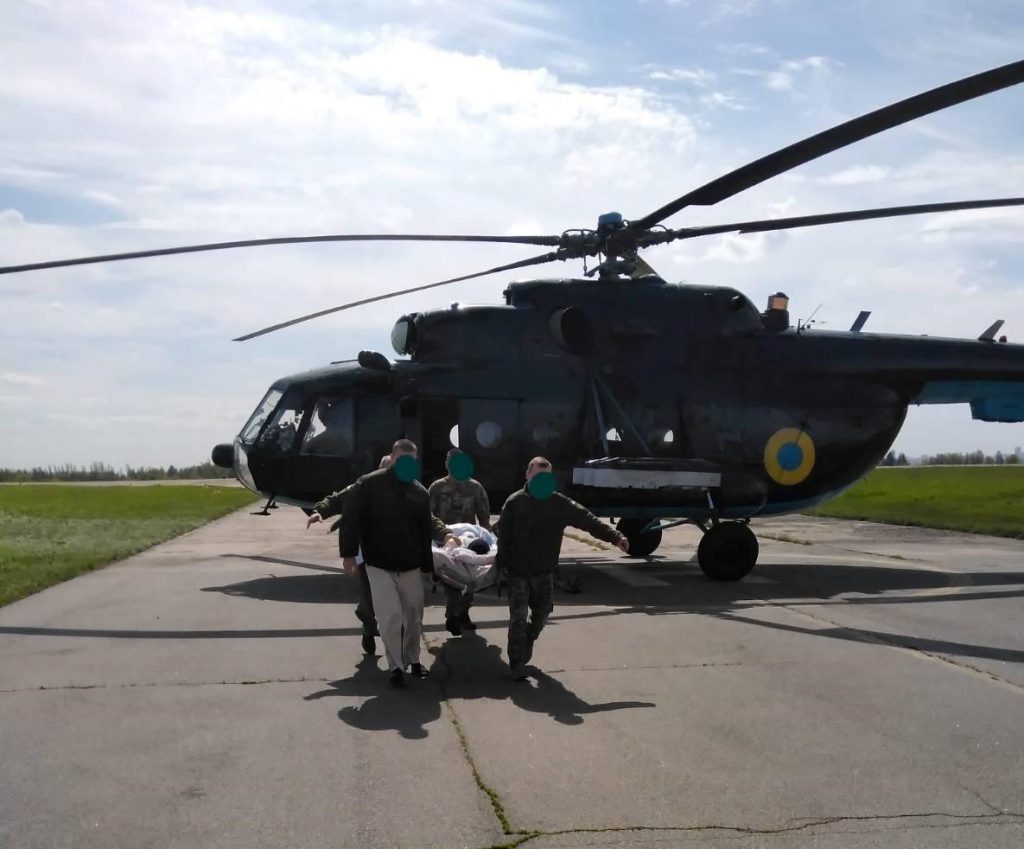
(459,566)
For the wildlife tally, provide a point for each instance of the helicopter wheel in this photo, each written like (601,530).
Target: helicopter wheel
(727,551)
(641,543)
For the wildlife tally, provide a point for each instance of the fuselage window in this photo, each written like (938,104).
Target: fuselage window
(488,434)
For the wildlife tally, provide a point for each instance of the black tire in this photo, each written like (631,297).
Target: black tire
(641,543)
(727,551)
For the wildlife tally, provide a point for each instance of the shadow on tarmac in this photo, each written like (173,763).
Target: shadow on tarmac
(472,668)
(407,710)
(464,668)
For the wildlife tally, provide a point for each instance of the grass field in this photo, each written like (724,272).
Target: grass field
(977,499)
(52,532)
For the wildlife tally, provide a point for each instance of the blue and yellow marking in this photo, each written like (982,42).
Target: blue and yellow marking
(789,456)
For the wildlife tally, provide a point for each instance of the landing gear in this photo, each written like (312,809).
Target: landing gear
(728,551)
(270,505)
(641,543)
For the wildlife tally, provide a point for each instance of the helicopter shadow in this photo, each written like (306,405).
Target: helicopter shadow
(679,584)
(821,584)
(333,588)
(408,710)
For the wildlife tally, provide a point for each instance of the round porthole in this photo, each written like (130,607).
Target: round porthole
(488,434)
(453,436)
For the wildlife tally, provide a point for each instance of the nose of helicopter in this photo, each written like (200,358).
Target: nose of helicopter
(224,455)
(234,456)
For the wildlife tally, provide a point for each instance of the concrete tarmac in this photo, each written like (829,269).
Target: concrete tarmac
(863,687)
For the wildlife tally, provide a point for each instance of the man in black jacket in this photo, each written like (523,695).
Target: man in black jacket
(529,541)
(387,515)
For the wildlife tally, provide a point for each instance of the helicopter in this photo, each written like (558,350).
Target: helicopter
(658,404)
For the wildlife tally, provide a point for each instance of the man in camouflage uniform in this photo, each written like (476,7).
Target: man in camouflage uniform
(529,541)
(453,500)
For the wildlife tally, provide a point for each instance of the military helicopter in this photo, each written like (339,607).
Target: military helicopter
(658,404)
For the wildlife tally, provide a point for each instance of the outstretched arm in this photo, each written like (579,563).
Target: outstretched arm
(580,517)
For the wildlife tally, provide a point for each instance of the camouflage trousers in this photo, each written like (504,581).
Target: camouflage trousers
(457,604)
(527,594)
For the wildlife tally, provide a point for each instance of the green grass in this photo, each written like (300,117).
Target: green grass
(977,499)
(51,532)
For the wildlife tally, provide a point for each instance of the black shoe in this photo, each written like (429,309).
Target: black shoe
(517,671)
(530,640)
(416,670)
(467,624)
(369,646)
(453,627)
(397,678)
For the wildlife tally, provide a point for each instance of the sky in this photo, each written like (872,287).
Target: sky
(135,124)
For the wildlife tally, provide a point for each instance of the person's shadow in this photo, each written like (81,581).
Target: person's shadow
(471,668)
(407,710)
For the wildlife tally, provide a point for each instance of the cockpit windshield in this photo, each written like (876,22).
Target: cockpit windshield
(252,427)
(281,430)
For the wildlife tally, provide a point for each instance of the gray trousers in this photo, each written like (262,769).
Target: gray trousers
(398,603)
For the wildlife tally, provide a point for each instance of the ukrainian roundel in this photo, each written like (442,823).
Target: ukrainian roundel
(789,456)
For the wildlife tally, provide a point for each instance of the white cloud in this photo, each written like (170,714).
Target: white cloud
(13,379)
(698,76)
(202,122)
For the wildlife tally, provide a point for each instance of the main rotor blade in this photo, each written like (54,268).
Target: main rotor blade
(828,218)
(537,260)
(839,136)
(767,224)
(284,240)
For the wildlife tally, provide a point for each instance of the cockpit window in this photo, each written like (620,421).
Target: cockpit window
(256,420)
(331,428)
(282,428)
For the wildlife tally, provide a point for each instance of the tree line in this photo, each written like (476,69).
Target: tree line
(103,472)
(972,458)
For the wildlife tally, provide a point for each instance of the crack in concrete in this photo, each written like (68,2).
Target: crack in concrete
(958,820)
(492,796)
(134,685)
(521,836)
(634,668)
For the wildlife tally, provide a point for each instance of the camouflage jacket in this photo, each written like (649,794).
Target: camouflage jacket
(460,501)
(530,531)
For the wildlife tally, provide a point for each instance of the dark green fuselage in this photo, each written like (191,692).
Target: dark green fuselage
(687,377)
